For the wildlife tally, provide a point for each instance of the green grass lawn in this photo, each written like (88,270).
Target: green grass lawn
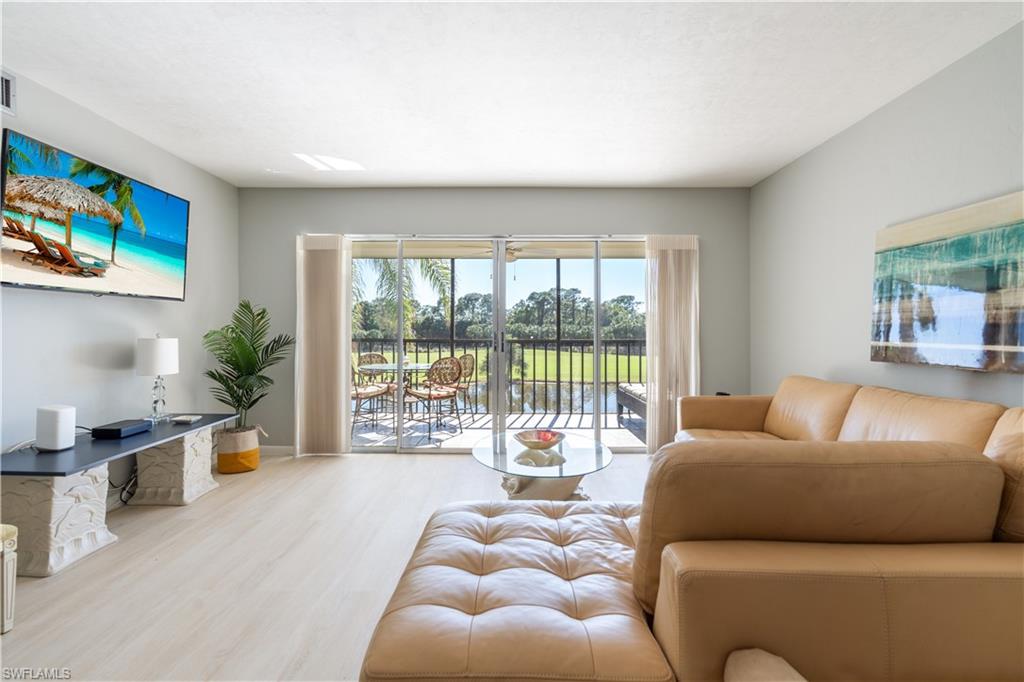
(542,365)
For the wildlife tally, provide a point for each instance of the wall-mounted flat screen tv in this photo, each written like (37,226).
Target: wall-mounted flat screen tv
(74,225)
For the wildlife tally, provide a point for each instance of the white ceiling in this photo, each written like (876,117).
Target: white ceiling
(573,94)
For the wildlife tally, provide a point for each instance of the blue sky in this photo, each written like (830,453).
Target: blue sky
(166,216)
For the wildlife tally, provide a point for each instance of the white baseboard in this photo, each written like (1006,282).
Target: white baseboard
(276,450)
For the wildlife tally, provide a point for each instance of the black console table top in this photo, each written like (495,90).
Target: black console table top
(89,452)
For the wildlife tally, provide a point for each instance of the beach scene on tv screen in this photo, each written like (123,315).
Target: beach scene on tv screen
(72,224)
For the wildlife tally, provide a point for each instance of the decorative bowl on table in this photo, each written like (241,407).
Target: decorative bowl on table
(540,439)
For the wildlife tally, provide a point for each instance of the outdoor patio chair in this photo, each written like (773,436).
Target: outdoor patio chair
(439,387)
(376,376)
(363,394)
(468,364)
(372,359)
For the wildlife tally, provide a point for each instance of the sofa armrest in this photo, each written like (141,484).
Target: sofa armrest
(845,611)
(728,412)
(820,491)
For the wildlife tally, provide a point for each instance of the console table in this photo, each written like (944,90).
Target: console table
(58,500)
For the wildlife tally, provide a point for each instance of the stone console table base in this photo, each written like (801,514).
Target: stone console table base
(60,519)
(176,472)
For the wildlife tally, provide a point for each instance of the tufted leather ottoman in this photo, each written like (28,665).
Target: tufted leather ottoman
(519,591)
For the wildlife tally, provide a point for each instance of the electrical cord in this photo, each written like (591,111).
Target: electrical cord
(22,444)
(127,490)
(31,441)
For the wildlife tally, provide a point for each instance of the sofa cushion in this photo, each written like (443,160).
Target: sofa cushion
(805,408)
(1006,447)
(519,590)
(883,414)
(846,612)
(687,435)
(638,391)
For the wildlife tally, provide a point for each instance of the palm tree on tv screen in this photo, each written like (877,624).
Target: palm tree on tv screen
(123,201)
(46,155)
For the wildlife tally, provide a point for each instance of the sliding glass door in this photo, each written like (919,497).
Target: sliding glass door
(376,310)
(549,335)
(448,338)
(623,358)
(454,340)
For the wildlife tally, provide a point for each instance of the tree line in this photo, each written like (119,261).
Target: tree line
(534,317)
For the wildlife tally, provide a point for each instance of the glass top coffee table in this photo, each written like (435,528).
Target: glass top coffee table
(552,474)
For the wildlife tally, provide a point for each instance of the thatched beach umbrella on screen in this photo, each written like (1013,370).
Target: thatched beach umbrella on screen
(35,210)
(64,196)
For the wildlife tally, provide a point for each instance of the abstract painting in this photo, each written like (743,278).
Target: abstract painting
(949,288)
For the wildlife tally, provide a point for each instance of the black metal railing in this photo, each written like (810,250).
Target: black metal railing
(545,376)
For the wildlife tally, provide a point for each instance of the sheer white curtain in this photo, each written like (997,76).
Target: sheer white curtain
(323,338)
(673,330)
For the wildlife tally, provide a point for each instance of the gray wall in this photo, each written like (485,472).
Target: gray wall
(270,219)
(78,349)
(953,140)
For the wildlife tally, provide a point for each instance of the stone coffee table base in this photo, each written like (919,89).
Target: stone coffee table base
(524,488)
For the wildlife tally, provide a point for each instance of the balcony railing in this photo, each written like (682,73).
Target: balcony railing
(545,376)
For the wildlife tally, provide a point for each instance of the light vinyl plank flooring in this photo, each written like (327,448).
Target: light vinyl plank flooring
(280,573)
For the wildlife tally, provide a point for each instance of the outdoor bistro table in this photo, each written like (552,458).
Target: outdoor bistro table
(408,369)
(384,367)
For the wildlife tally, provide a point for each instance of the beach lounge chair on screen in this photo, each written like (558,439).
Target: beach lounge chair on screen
(77,264)
(59,258)
(16,229)
(42,252)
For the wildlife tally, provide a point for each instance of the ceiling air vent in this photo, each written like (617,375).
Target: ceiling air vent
(7,87)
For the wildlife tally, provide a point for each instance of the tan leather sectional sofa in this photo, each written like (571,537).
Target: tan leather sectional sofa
(857,532)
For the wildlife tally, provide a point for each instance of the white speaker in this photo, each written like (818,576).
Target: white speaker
(55,427)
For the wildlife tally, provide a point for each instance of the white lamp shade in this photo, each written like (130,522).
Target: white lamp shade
(156,357)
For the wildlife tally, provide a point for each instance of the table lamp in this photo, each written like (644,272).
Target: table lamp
(157,357)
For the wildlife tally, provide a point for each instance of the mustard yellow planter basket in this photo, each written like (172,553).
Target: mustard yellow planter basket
(238,451)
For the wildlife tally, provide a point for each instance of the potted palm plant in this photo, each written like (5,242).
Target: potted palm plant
(244,354)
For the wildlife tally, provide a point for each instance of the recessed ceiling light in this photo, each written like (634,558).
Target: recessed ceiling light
(340,164)
(322,162)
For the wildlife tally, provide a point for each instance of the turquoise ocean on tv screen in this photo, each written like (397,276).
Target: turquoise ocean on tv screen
(164,257)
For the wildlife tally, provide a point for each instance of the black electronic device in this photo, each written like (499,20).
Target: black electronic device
(122,429)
